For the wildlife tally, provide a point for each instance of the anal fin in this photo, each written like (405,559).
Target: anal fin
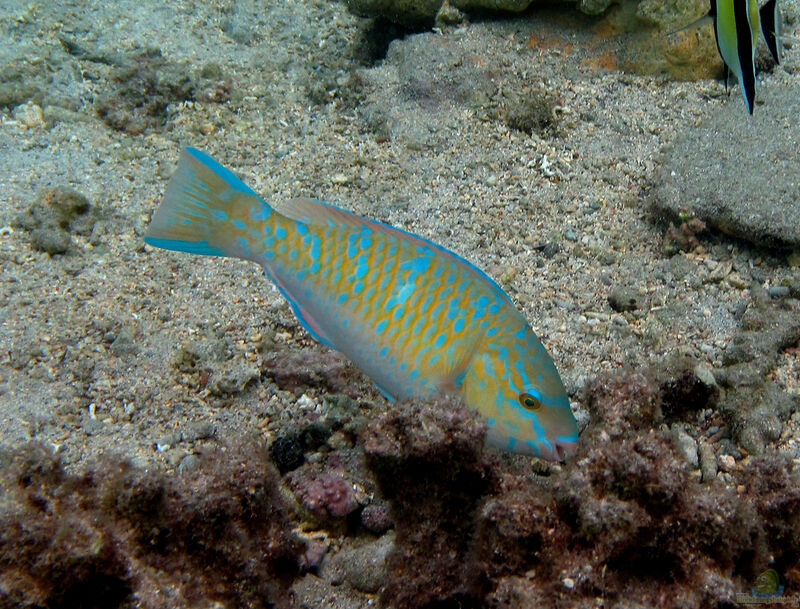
(305,318)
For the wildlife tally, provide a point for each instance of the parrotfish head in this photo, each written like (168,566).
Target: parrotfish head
(515,385)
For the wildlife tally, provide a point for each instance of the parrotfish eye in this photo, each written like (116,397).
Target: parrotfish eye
(529,402)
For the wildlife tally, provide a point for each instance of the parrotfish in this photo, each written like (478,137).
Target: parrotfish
(419,320)
(736,26)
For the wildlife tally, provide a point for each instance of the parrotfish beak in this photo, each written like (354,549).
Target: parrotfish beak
(563,450)
(560,452)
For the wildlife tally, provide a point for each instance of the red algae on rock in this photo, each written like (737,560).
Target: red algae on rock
(326,495)
(625,521)
(117,532)
(428,460)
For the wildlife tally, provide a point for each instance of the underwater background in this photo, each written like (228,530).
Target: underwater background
(170,436)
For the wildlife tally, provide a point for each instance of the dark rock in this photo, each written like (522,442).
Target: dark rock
(286,453)
(549,250)
(313,436)
(422,12)
(428,461)
(693,389)
(620,402)
(414,12)
(377,517)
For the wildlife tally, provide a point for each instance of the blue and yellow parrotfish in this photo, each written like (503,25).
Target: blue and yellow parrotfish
(415,317)
(736,26)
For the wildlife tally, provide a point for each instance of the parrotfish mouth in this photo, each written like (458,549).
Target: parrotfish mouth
(565,449)
(561,451)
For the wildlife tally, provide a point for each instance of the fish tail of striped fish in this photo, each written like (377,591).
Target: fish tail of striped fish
(208,210)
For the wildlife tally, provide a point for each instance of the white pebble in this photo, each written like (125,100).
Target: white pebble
(726,462)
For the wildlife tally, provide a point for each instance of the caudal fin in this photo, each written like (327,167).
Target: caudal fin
(203,205)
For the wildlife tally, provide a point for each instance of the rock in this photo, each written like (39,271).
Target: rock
(52,215)
(623,299)
(686,446)
(428,461)
(726,463)
(398,11)
(164,443)
(593,7)
(708,462)
(286,453)
(29,115)
(779,291)
(232,377)
(363,567)
(415,12)
(325,494)
(696,172)
(314,435)
(654,45)
(201,430)
(293,370)
(189,355)
(705,375)
(377,517)
(316,550)
(123,343)
(229,522)
(52,240)
(689,390)
(637,37)
(188,464)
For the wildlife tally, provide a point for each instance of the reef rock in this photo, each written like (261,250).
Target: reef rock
(737,173)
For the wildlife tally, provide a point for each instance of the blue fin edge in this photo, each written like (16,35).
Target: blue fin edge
(190,247)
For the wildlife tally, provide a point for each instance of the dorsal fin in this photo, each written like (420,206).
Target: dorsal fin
(317,213)
(770,26)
